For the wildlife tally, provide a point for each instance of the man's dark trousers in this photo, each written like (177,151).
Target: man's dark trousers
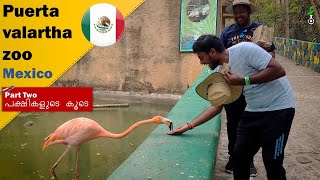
(234,112)
(269,130)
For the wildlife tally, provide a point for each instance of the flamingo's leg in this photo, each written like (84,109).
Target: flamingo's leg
(56,164)
(77,159)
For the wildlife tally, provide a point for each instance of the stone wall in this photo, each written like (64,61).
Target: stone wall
(146,59)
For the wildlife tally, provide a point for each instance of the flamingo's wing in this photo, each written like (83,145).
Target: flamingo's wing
(82,131)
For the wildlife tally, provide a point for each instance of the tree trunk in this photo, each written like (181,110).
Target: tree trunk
(282,21)
(275,19)
(287,20)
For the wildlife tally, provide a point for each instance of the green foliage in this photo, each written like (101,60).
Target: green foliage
(299,27)
(272,13)
(295,6)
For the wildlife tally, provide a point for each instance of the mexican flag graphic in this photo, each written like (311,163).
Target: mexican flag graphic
(103,24)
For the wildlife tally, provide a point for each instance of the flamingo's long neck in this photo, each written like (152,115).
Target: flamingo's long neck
(126,132)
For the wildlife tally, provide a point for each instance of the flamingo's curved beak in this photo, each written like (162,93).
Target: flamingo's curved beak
(167,122)
(170,125)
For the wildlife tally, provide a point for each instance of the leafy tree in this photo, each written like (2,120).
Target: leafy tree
(272,13)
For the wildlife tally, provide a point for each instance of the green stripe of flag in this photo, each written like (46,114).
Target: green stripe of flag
(86,25)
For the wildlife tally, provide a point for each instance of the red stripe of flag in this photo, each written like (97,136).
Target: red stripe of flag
(119,25)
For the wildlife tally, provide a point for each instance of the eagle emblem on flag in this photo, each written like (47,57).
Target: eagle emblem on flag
(103,24)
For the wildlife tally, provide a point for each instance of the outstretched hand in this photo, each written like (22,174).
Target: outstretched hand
(181,129)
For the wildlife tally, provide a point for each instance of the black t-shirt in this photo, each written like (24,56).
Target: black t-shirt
(234,34)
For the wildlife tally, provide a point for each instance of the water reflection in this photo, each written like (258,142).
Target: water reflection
(21,141)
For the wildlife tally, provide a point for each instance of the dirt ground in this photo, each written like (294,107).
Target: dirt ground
(302,153)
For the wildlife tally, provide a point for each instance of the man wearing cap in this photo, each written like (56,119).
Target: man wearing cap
(240,31)
(270,108)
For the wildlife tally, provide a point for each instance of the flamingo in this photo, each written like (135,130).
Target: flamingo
(79,130)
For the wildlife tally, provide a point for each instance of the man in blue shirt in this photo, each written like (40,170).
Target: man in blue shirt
(268,115)
(240,31)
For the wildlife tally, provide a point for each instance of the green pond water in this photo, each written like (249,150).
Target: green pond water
(22,158)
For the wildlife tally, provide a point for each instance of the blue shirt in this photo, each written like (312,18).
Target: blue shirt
(247,59)
(234,34)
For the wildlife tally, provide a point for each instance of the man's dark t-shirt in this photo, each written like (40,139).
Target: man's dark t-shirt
(233,34)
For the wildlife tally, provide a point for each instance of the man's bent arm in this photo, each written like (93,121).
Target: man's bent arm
(273,71)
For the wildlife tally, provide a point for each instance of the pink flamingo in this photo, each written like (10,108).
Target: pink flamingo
(79,130)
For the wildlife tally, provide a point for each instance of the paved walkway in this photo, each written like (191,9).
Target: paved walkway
(302,153)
